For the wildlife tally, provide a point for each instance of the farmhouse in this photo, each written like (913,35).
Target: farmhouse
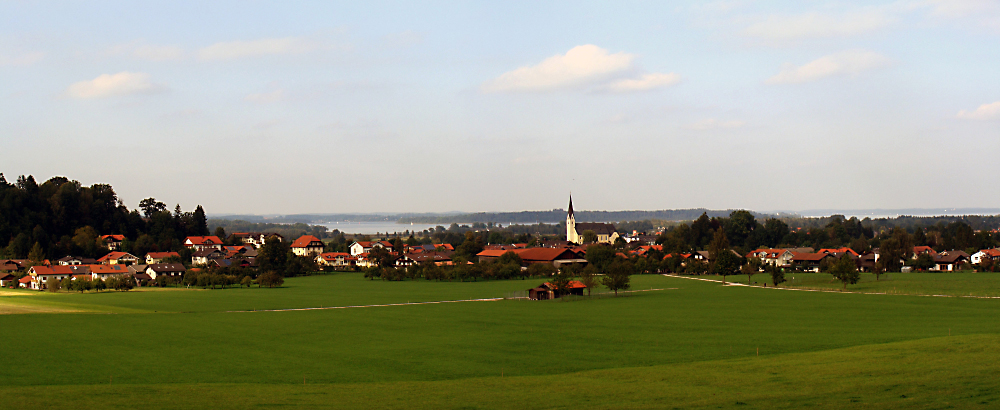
(113,242)
(256,239)
(555,256)
(202,257)
(6,279)
(549,291)
(809,261)
(359,247)
(307,245)
(985,254)
(104,272)
(165,269)
(118,258)
(335,259)
(158,257)
(774,257)
(40,275)
(200,243)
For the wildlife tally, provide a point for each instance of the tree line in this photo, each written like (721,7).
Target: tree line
(61,217)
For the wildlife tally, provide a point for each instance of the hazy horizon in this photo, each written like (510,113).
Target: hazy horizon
(345,107)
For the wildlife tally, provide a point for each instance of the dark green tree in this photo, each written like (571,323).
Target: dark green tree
(845,270)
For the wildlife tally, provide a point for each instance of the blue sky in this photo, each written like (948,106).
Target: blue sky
(297,107)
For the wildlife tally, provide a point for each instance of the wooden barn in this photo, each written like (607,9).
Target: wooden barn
(548,290)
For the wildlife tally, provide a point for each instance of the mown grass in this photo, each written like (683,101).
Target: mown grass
(966,283)
(340,289)
(948,372)
(690,345)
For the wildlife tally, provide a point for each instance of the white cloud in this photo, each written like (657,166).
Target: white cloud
(255,48)
(581,65)
(273,96)
(984,112)
(817,25)
(24,59)
(851,62)
(644,82)
(714,124)
(107,85)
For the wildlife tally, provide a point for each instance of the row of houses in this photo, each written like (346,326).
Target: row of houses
(946,261)
(38,276)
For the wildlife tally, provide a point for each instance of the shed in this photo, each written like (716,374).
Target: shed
(548,290)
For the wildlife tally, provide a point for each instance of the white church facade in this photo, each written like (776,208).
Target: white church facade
(606,233)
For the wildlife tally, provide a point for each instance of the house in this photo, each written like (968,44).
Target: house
(839,251)
(25,282)
(774,257)
(985,254)
(307,245)
(438,258)
(556,256)
(105,272)
(118,258)
(200,243)
(75,260)
(10,265)
(866,262)
(359,247)
(202,257)
(256,239)
(921,250)
(165,269)
(113,242)
(335,259)
(158,257)
(810,261)
(606,233)
(548,290)
(40,275)
(949,262)
(6,279)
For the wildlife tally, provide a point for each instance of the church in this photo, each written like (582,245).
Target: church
(606,233)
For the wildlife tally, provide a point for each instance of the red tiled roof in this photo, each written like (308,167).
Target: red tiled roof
(204,240)
(839,251)
(115,237)
(106,269)
(25,279)
(305,241)
(573,284)
(114,255)
(161,255)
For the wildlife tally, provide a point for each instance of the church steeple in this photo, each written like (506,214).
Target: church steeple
(571,234)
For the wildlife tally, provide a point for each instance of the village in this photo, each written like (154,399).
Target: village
(387,259)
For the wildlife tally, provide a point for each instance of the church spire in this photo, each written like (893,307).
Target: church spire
(570,212)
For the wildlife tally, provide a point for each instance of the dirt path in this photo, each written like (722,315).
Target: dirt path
(407,303)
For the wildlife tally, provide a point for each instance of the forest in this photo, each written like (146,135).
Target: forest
(61,217)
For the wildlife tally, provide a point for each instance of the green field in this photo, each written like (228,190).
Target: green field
(692,345)
(966,283)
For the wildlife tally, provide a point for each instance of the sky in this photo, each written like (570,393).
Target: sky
(335,107)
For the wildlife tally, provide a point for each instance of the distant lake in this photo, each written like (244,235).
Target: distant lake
(370,228)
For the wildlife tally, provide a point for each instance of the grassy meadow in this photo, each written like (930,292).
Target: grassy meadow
(694,344)
(964,283)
